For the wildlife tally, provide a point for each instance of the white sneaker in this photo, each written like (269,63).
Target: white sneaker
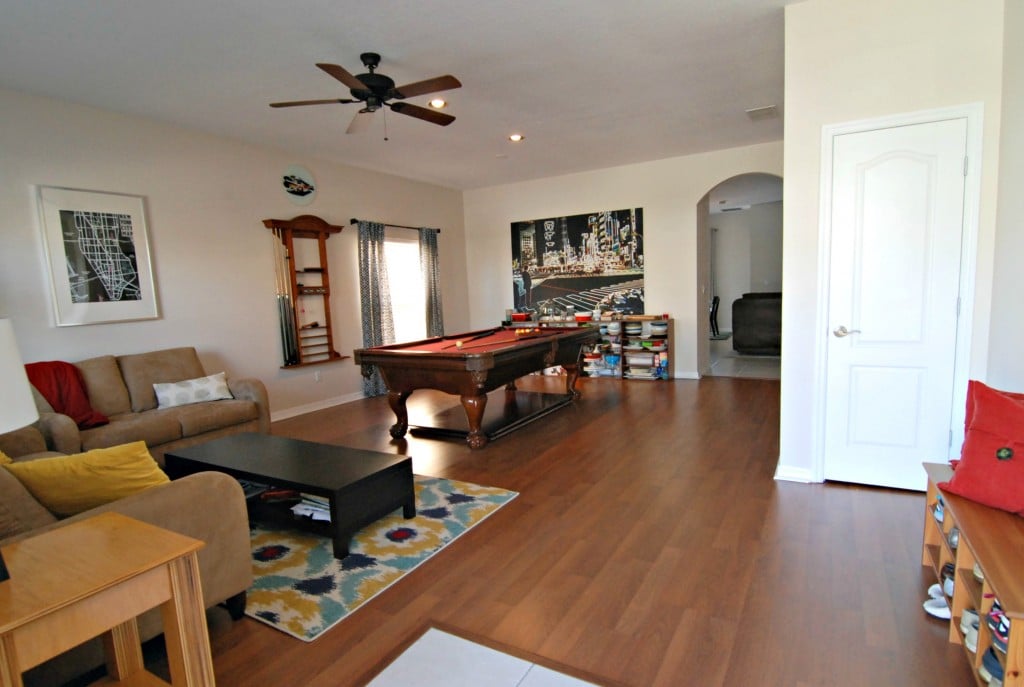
(947,586)
(971,638)
(938,608)
(969,618)
(935,591)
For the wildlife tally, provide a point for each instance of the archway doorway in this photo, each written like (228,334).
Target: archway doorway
(739,245)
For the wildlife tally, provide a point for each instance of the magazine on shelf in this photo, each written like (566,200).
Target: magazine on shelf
(313,507)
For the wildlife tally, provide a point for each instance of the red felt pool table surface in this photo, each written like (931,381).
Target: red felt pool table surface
(483,341)
(485,360)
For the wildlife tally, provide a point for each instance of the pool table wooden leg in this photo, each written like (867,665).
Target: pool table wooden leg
(397,402)
(474,407)
(572,373)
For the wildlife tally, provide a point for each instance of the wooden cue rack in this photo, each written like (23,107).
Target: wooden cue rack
(304,290)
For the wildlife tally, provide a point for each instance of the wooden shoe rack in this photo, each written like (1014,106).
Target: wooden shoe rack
(994,539)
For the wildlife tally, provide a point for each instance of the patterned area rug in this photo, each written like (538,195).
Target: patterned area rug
(303,590)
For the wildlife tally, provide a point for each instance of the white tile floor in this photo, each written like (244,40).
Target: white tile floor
(725,362)
(440,659)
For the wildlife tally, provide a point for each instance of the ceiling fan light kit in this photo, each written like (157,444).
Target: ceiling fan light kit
(375,91)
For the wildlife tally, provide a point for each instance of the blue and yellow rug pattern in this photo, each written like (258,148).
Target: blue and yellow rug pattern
(303,590)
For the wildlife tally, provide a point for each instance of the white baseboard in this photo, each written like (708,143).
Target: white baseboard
(311,407)
(786,473)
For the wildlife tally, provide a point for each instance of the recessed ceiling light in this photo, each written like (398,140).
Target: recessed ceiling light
(438,103)
(516,138)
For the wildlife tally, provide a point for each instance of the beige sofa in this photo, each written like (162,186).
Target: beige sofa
(121,387)
(209,506)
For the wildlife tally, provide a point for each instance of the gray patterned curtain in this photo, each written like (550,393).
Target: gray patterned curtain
(374,298)
(432,281)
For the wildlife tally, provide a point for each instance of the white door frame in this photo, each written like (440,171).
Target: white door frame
(974,113)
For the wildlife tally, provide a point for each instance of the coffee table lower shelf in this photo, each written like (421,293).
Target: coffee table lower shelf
(340,529)
(361,486)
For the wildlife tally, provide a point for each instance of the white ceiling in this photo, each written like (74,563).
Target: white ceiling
(591,83)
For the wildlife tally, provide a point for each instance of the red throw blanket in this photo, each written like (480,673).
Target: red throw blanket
(62,385)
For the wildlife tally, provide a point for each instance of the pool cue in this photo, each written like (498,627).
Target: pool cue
(472,338)
(290,338)
(279,291)
(513,340)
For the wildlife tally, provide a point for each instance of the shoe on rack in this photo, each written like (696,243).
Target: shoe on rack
(954,538)
(991,670)
(1000,626)
(938,608)
(947,586)
(971,637)
(939,511)
(935,591)
(970,617)
(978,575)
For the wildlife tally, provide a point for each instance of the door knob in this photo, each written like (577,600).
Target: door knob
(842,331)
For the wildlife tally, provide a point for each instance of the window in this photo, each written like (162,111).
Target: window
(405,279)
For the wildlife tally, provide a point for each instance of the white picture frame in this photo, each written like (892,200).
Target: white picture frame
(97,253)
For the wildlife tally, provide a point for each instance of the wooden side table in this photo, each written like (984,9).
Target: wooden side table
(93,578)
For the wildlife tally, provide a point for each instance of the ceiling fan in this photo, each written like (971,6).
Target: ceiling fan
(375,90)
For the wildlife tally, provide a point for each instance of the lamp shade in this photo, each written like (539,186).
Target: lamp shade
(17,407)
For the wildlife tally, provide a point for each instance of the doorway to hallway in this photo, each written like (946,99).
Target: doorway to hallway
(739,229)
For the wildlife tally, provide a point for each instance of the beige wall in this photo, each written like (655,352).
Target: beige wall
(1006,362)
(667,190)
(849,61)
(205,200)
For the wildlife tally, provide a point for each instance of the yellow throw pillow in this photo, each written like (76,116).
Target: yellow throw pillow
(71,484)
(5,459)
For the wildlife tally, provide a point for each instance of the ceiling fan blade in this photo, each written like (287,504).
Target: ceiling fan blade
(440,83)
(342,75)
(312,102)
(360,122)
(432,116)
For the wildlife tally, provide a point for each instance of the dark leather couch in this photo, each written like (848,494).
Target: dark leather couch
(757,324)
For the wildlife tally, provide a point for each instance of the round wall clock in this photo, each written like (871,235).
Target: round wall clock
(299,185)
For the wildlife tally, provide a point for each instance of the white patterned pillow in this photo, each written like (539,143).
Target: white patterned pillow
(210,388)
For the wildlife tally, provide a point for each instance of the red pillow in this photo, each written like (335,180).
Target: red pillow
(991,466)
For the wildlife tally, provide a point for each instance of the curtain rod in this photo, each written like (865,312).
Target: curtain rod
(396,226)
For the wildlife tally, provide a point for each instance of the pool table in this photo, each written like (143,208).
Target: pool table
(472,364)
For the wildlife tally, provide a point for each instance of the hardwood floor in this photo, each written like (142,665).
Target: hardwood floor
(650,545)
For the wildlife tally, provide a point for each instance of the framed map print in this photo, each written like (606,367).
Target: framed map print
(97,251)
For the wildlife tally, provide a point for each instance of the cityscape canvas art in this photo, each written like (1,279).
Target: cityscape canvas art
(592,261)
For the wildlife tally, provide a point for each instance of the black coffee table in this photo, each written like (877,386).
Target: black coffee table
(361,486)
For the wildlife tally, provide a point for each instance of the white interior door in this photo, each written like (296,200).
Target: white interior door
(896,231)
